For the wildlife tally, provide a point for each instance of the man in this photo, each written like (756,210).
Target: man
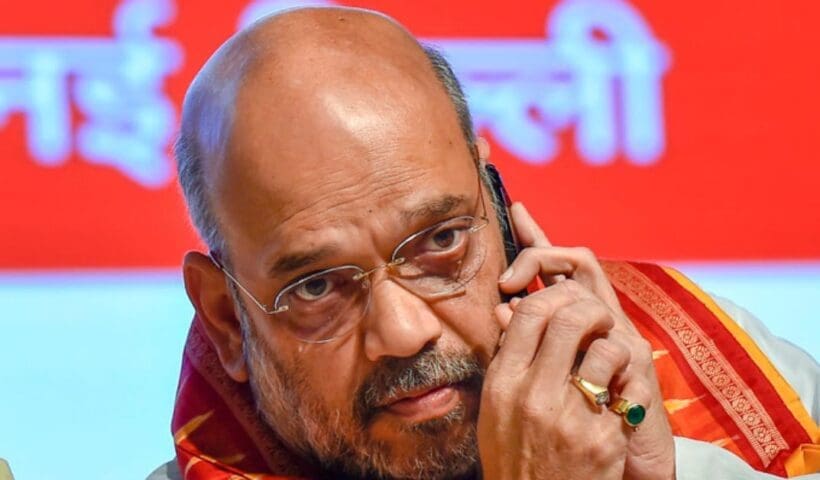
(5,473)
(352,314)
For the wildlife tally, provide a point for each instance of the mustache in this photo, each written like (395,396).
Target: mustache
(431,367)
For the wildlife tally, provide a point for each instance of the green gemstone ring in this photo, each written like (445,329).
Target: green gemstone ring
(632,413)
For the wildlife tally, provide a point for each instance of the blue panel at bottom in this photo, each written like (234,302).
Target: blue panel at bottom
(88,372)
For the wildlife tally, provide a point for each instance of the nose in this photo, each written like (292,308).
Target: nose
(398,323)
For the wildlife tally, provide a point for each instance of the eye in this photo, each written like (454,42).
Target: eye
(444,239)
(314,289)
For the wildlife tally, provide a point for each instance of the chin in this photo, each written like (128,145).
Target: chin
(441,448)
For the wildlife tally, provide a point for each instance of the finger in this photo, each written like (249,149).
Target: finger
(579,264)
(638,381)
(638,391)
(514,301)
(526,326)
(604,359)
(528,231)
(529,234)
(532,262)
(503,314)
(641,364)
(569,329)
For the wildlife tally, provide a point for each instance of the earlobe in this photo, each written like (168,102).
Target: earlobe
(208,292)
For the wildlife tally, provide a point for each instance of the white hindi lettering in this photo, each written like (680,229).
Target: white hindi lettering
(599,70)
(115,84)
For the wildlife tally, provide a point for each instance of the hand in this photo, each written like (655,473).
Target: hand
(534,423)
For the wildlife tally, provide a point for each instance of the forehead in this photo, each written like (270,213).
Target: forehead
(316,155)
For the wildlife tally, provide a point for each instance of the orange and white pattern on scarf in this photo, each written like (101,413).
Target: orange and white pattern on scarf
(716,383)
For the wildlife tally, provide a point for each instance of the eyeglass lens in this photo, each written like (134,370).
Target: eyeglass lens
(437,262)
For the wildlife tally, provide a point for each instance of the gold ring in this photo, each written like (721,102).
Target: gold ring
(632,413)
(596,394)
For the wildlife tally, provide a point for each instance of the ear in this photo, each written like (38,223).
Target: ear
(208,291)
(483,147)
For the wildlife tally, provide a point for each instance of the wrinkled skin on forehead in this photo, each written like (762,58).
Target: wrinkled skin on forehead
(337,126)
(336,123)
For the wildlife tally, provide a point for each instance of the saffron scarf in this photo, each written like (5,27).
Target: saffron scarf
(717,387)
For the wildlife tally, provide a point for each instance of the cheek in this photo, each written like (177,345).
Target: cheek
(471,316)
(317,374)
(484,295)
(330,372)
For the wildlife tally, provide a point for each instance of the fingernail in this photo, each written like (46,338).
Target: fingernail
(506,275)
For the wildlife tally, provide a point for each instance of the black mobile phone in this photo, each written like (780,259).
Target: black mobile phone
(511,244)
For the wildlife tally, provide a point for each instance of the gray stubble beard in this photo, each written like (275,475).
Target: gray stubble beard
(340,443)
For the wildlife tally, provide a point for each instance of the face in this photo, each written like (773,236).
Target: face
(397,396)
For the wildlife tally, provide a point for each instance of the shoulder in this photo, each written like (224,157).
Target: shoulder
(167,471)
(798,368)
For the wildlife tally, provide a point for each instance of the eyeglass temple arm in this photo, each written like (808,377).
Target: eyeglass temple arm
(214,256)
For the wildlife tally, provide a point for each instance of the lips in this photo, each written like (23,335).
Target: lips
(425,403)
(439,381)
(410,394)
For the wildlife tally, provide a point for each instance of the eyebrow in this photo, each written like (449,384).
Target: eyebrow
(428,210)
(296,260)
(434,209)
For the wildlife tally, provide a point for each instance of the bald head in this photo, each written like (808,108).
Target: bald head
(293,78)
